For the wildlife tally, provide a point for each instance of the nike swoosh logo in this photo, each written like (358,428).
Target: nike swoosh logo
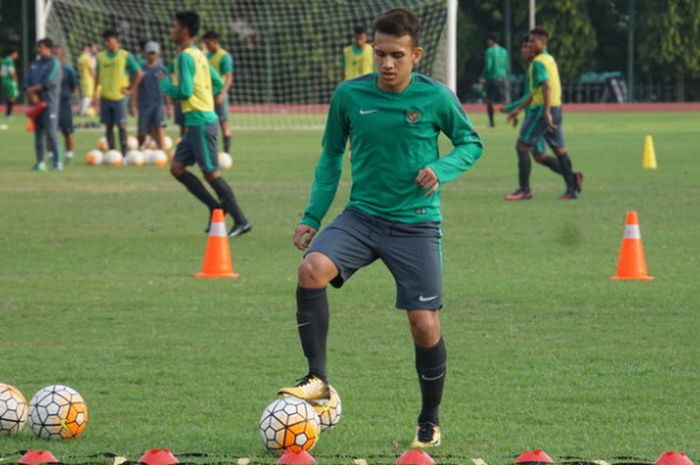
(303,324)
(435,378)
(427,299)
(367,112)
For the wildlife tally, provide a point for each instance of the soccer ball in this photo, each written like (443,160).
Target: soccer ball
(113,157)
(159,158)
(57,412)
(329,411)
(102,144)
(134,158)
(94,157)
(167,143)
(13,410)
(225,161)
(132,143)
(291,424)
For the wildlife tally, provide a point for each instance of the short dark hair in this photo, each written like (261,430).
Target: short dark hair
(12,49)
(211,35)
(45,42)
(492,36)
(189,20)
(539,31)
(109,33)
(399,22)
(359,30)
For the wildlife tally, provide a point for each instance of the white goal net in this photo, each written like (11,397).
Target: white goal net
(287,53)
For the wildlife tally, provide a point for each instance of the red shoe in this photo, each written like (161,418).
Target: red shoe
(578,181)
(569,196)
(519,195)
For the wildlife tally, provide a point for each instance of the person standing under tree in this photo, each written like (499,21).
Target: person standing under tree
(394,117)
(495,74)
(194,83)
(8,74)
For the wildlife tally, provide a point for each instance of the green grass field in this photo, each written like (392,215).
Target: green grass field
(544,351)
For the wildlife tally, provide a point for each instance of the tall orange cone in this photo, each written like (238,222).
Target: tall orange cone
(632,264)
(217,256)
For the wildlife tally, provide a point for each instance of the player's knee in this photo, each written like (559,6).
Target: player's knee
(176,169)
(311,273)
(425,328)
(539,157)
(211,176)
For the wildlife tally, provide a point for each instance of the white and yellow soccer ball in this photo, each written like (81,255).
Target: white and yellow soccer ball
(57,412)
(132,143)
(290,424)
(102,144)
(329,411)
(134,158)
(225,161)
(13,410)
(113,158)
(159,158)
(94,157)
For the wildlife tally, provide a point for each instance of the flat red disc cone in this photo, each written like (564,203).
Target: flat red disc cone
(415,457)
(159,457)
(36,457)
(535,456)
(296,458)
(673,458)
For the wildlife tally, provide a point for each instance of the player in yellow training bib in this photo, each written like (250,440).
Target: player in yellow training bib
(222,62)
(357,57)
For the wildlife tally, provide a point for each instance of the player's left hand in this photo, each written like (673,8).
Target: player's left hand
(428,180)
(549,121)
(126,91)
(219,98)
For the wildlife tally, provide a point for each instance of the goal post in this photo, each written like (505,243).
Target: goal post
(286,53)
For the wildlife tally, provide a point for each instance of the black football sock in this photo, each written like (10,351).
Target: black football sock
(566,171)
(524,168)
(227,143)
(8,108)
(123,140)
(312,324)
(195,186)
(489,110)
(109,134)
(431,365)
(228,200)
(551,163)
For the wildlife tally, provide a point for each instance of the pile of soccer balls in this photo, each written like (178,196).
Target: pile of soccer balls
(55,412)
(148,154)
(293,424)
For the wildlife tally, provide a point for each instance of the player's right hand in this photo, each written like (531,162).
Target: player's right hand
(513,117)
(303,235)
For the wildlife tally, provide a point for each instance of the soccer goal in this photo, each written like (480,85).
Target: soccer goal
(287,53)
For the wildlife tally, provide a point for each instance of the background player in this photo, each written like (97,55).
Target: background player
(192,85)
(42,86)
(357,57)
(394,118)
(545,117)
(114,68)
(538,150)
(8,74)
(495,74)
(149,98)
(222,62)
(69,82)
(86,73)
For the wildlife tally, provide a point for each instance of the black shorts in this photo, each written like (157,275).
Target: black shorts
(534,128)
(65,117)
(198,145)
(113,111)
(411,251)
(495,90)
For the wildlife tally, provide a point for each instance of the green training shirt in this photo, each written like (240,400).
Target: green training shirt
(394,136)
(6,66)
(495,63)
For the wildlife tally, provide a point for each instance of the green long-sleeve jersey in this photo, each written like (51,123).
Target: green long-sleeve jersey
(393,136)
(495,63)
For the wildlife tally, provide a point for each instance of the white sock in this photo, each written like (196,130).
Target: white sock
(69,154)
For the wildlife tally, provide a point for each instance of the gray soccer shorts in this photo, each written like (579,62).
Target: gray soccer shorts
(65,117)
(534,128)
(151,118)
(222,109)
(411,251)
(198,145)
(113,111)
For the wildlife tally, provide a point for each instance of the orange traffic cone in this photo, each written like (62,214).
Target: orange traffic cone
(30,125)
(217,256)
(631,264)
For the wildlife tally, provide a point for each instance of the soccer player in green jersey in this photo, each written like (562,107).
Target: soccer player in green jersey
(8,74)
(222,62)
(538,150)
(394,117)
(545,117)
(494,74)
(193,83)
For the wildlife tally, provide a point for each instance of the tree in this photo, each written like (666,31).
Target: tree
(669,40)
